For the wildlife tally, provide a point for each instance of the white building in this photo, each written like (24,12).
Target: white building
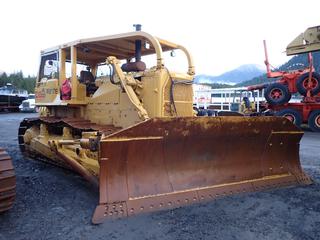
(221,98)
(201,93)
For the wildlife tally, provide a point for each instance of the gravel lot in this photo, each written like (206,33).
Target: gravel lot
(53,203)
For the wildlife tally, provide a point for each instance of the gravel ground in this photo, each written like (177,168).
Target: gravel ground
(53,203)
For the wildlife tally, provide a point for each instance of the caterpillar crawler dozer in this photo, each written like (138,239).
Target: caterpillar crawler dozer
(132,129)
(7,181)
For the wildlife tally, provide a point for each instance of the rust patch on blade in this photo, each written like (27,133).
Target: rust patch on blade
(171,162)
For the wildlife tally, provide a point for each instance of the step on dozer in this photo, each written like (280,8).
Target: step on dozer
(133,131)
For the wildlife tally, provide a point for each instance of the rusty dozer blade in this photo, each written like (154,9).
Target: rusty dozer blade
(170,162)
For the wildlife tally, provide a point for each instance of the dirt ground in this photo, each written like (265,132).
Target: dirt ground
(53,203)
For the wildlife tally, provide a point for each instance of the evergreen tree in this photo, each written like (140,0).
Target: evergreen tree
(19,81)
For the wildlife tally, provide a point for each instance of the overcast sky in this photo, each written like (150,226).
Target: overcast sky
(221,35)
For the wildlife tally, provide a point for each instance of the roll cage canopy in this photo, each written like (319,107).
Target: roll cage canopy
(122,46)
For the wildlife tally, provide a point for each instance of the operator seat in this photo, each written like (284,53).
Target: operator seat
(86,77)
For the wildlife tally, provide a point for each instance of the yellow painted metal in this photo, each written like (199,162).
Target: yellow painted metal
(309,41)
(47,92)
(39,141)
(153,95)
(62,66)
(74,80)
(127,82)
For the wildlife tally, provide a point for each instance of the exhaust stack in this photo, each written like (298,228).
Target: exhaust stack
(138,65)
(138,44)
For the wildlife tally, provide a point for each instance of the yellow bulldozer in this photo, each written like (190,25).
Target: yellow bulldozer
(130,129)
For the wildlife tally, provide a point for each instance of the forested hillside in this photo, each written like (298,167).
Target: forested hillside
(18,80)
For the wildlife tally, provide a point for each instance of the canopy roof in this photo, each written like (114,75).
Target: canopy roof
(121,46)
